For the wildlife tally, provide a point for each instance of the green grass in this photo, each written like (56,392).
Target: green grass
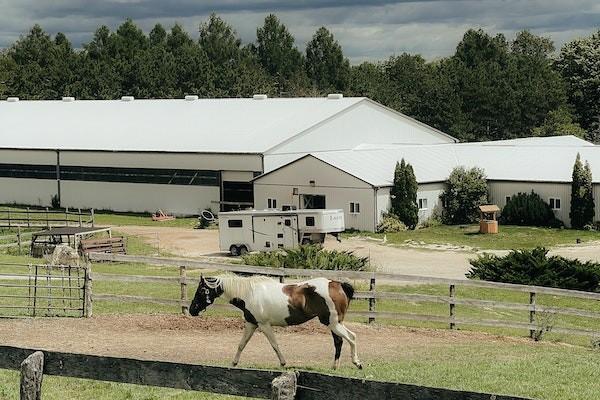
(538,370)
(509,237)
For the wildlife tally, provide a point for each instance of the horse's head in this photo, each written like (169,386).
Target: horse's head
(208,290)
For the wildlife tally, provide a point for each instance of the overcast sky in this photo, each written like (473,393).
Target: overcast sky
(367,30)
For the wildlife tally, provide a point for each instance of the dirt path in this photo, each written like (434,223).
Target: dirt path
(214,340)
(451,264)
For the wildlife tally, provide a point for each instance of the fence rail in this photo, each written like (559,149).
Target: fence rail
(532,308)
(231,381)
(48,218)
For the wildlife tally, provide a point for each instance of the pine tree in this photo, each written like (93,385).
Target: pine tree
(404,195)
(582,200)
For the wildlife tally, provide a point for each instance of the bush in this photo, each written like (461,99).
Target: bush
(308,257)
(390,223)
(534,267)
(466,190)
(528,209)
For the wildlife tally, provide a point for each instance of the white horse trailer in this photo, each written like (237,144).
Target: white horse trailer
(266,230)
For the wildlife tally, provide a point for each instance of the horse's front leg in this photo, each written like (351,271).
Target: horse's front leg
(267,329)
(248,332)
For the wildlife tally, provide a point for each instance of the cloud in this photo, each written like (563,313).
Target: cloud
(368,30)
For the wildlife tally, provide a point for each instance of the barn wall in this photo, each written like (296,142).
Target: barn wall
(338,187)
(499,190)
(36,192)
(139,197)
(431,192)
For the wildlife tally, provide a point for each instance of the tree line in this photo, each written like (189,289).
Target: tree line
(490,88)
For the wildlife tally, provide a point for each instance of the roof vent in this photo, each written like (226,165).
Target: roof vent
(68,99)
(335,96)
(127,98)
(12,99)
(191,98)
(260,97)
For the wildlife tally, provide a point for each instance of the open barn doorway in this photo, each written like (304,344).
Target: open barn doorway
(237,196)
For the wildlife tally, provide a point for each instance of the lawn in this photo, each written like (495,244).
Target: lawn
(509,237)
(537,370)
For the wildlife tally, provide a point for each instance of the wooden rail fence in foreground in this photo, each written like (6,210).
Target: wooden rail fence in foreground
(48,218)
(452,301)
(264,384)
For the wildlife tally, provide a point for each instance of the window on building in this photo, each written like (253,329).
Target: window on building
(313,201)
(141,175)
(28,171)
(554,203)
(287,207)
(310,221)
(235,223)
(422,204)
(271,203)
(354,208)
(507,200)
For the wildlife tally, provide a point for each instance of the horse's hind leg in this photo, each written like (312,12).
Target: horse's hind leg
(342,331)
(268,331)
(248,332)
(337,342)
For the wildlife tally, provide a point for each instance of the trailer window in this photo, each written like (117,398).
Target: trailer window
(310,221)
(235,223)
(288,222)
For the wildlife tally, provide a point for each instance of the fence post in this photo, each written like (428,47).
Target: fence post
(532,296)
(92,213)
(372,299)
(183,284)
(8,216)
(79,214)
(19,238)
(47,219)
(67,216)
(452,306)
(32,374)
(28,218)
(87,291)
(284,386)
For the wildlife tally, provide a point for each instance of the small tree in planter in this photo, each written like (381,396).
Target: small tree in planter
(404,195)
(466,190)
(582,197)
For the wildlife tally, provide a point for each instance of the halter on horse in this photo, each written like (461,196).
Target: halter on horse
(267,303)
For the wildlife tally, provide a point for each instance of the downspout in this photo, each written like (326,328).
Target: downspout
(58,176)
(375,209)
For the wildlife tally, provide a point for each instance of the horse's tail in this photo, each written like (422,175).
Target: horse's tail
(349,290)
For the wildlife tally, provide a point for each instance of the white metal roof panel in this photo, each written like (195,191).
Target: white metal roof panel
(204,125)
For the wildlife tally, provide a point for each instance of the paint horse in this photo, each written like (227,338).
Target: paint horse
(267,303)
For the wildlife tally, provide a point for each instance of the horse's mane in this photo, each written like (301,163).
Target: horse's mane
(237,286)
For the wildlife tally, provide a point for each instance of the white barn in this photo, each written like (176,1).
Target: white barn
(181,156)
(359,180)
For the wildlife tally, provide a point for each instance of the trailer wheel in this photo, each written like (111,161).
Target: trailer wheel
(242,250)
(234,250)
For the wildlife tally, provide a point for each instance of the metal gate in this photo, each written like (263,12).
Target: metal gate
(28,290)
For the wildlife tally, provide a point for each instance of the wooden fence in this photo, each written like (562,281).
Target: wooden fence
(29,290)
(117,245)
(452,300)
(264,384)
(48,218)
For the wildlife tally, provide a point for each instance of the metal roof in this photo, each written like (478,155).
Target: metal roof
(238,125)
(531,159)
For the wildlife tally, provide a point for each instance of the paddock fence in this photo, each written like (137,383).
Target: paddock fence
(536,314)
(32,290)
(255,383)
(45,218)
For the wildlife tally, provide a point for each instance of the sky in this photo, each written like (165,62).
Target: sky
(367,30)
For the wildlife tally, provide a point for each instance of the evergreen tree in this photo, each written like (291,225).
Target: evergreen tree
(404,195)
(582,198)
(559,122)
(326,66)
(276,51)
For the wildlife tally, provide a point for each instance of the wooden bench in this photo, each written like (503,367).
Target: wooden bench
(114,245)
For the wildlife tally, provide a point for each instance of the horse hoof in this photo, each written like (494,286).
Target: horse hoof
(234,364)
(359,366)
(282,365)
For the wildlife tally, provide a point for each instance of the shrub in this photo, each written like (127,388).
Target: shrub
(582,197)
(390,223)
(528,209)
(466,190)
(534,267)
(404,195)
(308,257)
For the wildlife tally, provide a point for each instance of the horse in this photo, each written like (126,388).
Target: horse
(266,303)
